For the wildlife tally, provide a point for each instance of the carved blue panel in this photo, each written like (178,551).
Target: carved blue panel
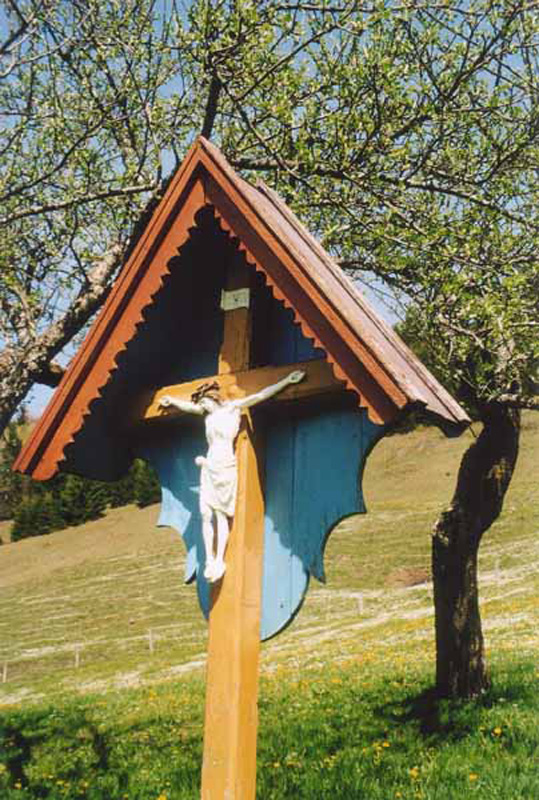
(174,461)
(314,466)
(313,472)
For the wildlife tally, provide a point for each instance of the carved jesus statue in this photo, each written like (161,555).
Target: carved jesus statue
(218,468)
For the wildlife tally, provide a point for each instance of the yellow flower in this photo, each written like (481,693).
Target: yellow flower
(414,772)
(497,731)
(386,744)
(473,776)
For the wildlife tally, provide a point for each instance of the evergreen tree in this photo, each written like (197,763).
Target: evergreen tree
(34,517)
(22,522)
(52,513)
(11,483)
(122,492)
(73,501)
(147,486)
(95,498)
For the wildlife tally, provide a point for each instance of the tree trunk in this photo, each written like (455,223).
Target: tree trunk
(30,360)
(484,477)
(13,387)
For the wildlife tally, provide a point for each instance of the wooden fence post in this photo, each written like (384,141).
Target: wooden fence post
(360,604)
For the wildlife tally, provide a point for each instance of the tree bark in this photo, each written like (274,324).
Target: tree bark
(484,477)
(31,360)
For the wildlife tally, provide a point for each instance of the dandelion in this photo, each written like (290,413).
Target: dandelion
(497,731)
(414,772)
(386,744)
(473,776)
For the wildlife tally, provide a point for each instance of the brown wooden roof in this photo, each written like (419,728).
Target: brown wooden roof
(364,351)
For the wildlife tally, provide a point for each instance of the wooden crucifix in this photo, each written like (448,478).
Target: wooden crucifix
(298,470)
(229,764)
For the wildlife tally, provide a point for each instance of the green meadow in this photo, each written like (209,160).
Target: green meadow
(102,655)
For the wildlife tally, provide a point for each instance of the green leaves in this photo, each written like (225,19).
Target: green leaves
(405,137)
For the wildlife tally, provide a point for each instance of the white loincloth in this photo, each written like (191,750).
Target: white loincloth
(219,486)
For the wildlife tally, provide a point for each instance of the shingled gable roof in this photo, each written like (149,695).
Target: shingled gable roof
(364,351)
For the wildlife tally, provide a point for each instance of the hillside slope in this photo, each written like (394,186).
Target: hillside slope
(104,605)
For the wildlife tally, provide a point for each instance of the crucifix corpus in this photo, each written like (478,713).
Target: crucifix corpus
(227,308)
(219,468)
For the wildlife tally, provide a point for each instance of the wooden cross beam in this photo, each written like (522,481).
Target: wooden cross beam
(231,715)
(319,380)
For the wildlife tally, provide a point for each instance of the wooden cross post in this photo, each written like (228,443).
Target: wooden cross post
(231,718)
(231,715)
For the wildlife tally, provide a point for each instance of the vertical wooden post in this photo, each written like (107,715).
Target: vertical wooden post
(229,764)
(360,604)
(231,717)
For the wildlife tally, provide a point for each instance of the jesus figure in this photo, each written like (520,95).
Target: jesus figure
(218,468)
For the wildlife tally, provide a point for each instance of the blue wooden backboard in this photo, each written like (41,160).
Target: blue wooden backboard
(314,461)
(313,473)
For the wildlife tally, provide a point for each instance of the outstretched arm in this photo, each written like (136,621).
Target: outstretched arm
(182,405)
(269,391)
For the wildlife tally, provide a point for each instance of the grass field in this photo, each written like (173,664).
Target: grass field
(97,622)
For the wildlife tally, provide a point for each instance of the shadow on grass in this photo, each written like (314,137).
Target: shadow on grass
(47,750)
(440,718)
(24,734)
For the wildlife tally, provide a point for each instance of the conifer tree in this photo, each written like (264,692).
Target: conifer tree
(72,501)
(95,499)
(147,486)
(33,517)
(122,492)
(11,483)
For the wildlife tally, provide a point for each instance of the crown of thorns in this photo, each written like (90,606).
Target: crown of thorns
(210,390)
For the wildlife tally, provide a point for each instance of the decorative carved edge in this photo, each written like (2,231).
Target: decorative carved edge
(136,320)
